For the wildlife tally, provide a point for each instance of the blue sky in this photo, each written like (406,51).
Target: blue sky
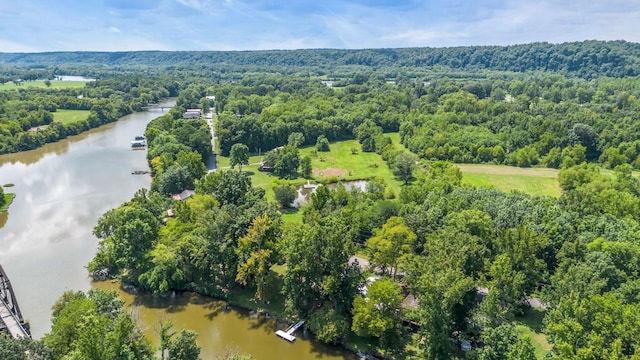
(121,25)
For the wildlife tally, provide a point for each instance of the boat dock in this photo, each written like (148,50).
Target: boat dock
(288,335)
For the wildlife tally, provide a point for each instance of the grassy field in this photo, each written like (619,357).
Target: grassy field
(531,325)
(337,164)
(534,181)
(40,84)
(69,116)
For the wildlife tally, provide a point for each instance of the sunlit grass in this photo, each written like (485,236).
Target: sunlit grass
(533,181)
(70,116)
(531,325)
(55,84)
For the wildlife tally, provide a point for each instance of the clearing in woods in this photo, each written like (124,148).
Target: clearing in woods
(534,181)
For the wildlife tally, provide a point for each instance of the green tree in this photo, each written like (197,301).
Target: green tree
(228,187)
(320,275)
(287,162)
(379,314)
(502,343)
(295,139)
(93,326)
(328,324)
(127,233)
(586,136)
(404,165)
(23,349)
(184,347)
(173,181)
(257,252)
(594,327)
(322,144)
(390,244)
(192,160)
(239,155)
(442,292)
(305,167)
(285,194)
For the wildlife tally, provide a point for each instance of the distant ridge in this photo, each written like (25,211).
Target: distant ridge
(586,59)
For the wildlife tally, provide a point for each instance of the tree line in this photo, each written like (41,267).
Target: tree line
(27,115)
(587,59)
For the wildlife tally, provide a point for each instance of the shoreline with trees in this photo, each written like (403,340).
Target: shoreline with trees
(470,257)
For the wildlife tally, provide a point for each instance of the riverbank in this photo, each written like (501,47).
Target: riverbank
(223,326)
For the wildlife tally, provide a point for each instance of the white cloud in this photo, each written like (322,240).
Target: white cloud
(114,29)
(194,4)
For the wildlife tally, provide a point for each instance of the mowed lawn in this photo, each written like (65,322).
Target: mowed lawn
(534,181)
(337,164)
(69,116)
(530,325)
(55,84)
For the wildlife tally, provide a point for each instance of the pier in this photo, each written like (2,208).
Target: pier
(288,335)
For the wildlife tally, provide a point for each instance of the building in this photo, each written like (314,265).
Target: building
(192,114)
(183,195)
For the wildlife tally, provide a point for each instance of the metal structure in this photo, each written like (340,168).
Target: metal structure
(11,321)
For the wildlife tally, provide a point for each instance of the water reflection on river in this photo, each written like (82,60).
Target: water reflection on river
(221,329)
(62,189)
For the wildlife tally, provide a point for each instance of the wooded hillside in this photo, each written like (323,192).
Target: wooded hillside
(588,59)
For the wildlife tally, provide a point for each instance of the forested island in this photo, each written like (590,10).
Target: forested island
(419,264)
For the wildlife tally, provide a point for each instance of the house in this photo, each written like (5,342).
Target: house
(192,114)
(183,195)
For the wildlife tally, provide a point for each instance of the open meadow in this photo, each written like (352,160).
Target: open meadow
(534,181)
(69,116)
(55,84)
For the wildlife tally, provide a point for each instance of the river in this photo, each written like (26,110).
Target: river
(46,241)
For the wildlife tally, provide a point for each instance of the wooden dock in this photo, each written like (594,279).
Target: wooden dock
(288,335)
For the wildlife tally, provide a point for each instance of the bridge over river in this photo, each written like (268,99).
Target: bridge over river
(10,315)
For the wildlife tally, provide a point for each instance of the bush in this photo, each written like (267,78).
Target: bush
(285,194)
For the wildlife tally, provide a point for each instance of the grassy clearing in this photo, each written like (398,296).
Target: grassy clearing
(531,325)
(338,160)
(70,116)
(534,181)
(55,84)
(356,166)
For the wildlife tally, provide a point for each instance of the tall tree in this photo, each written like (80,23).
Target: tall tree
(239,155)
(184,347)
(319,274)
(390,244)
(228,187)
(257,252)
(404,165)
(379,314)
(295,139)
(305,167)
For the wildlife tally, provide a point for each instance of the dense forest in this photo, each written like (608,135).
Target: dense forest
(474,261)
(588,59)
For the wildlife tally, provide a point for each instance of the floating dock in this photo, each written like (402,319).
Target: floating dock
(288,335)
